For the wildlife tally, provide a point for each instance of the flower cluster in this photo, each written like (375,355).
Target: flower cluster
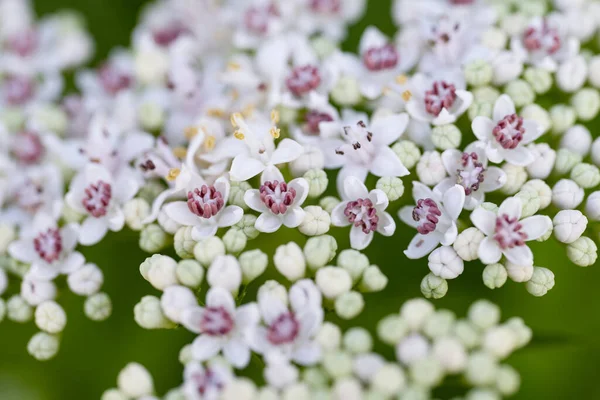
(228,120)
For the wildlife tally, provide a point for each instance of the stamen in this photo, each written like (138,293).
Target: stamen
(277,196)
(509,233)
(361,213)
(173,174)
(427,213)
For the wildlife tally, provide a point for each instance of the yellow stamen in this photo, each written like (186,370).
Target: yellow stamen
(209,143)
(275,117)
(180,152)
(401,79)
(215,112)
(275,132)
(232,65)
(173,174)
(248,110)
(239,135)
(406,95)
(234,118)
(190,132)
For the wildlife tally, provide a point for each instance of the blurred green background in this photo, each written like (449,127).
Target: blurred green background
(562,362)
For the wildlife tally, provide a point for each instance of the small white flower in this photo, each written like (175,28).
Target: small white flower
(222,328)
(135,381)
(36,291)
(205,383)
(365,211)
(434,217)
(506,233)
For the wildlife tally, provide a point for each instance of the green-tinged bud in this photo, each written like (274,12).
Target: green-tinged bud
(542,189)
(349,305)
(246,225)
(337,364)
(43,346)
(189,273)
(319,250)
(136,210)
(583,252)
(70,215)
(358,340)
(482,369)
(566,160)
(346,92)
(18,310)
(206,250)
(515,178)
(486,94)
(494,276)
(541,282)
(328,203)
(539,79)
(98,307)
(329,336)
(149,315)
(236,194)
(235,240)
(373,280)
(530,202)
(253,264)
(150,190)
(323,46)
(507,380)
(391,186)
(586,175)
(316,221)
(480,108)
(317,182)
(153,238)
(467,333)
(478,73)
(354,262)
(151,116)
(586,103)
(446,137)
(183,242)
(407,152)
(521,92)
(538,114)
(392,329)
(434,287)
(563,117)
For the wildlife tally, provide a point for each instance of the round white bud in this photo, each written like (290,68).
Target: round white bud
(480,108)
(563,117)
(392,329)
(467,333)
(149,315)
(296,391)
(151,116)
(319,250)
(346,92)
(569,225)
(273,288)
(519,273)
(373,280)
(408,152)
(317,182)
(484,314)
(427,372)
(347,389)
(430,168)
(507,380)
(530,202)
(113,394)
(481,369)
(136,210)
(316,221)
(328,203)
(50,317)
(225,272)
(583,252)
(311,159)
(43,346)
(239,389)
(253,264)
(135,381)
(415,312)
(499,341)
(538,114)
(329,336)
(98,307)
(18,310)
(494,38)
(235,240)
(586,103)
(515,178)
(189,273)
(246,225)
(542,165)
(289,261)
(439,324)
(586,175)
(338,364)
(175,299)
(467,243)
(206,250)
(522,331)
(7,235)
(184,243)
(86,280)
(446,137)
(167,223)
(412,348)
(451,353)
(445,263)
(566,194)
(236,193)
(333,281)
(349,305)
(37,291)
(358,340)
(354,262)
(571,74)
(540,79)
(592,208)
(391,186)
(566,160)
(432,286)
(578,139)
(508,66)
(482,394)
(542,189)
(479,72)
(161,273)
(388,380)
(494,276)
(520,92)
(541,281)
(153,238)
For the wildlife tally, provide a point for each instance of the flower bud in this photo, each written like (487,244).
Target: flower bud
(542,189)
(478,73)
(494,276)
(246,225)
(446,137)
(538,114)
(439,324)
(311,159)
(348,305)
(225,272)
(149,191)
(515,178)
(43,346)
(467,333)
(354,262)
(183,242)
(189,273)
(412,348)
(316,221)
(7,235)
(545,158)
(507,67)
(234,240)
(167,223)
(50,317)
(253,263)
(592,208)
(50,117)
(569,225)
(149,315)
(480,109)
(333,281)
(373,280)
(481,369)
(541,281)
(407,152)
(486,94)
(290,261)
(578,139)
(135,381)
(519,273)
(174,300)
(467,243)
(236,194)
(346,92)
(433,286)
(585,175)
(136,210)
(586,103)
(563,117)
(520,92)
(484,314)
(494,38)
(430,168)
(151,116)
(571,74)
(317,182)
(273,288)
(451,353)
(566,160)
(484,393)
(337,364)
(319,250)
(153,238)
(499,341)
(392,329)
(566,194)
(328,203)
(98,307)
(427,372)
(159,270)
(358,340)
(391,186)
(389,380)
(37,291)
(113,394)
(583,252)
(539,79)
(530,202)
(207,249)
(18,310)
(445,263)
(86,280)
(507,380)
(415,312)
(239,389)
(329,336)
(3,281)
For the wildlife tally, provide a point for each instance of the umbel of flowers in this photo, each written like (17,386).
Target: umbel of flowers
(225,121)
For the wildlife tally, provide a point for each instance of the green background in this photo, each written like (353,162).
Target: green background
(562,362)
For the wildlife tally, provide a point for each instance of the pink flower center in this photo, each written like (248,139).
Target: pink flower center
(277,196)
(48,245)
(23,43)
(207,380)
(325,6)
(97,197)
(381,58)
(427,214)
(205,202)
(441,95)
(313,118)
(303,79)
(167,35)
(18,89)
(509,131)
(509,232)
(471,174)
(544,39)
(216,321)
(113,80)
(284,329)
(257,19)
(363,214)
(28,148)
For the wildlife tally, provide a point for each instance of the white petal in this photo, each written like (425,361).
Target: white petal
(387,163)
(532,131)
(354,188)
(454,201)
(219,297)
(191,318)
(386,130)
(22,250)
(504,106)
(247,316)
(92,230)
(237,352)
(520,156)
(245,167)
(421,191)
(271,307)
(205,347)
(271,174)
(116,220)
(444,118)
(495,178)
(421,245)
(338,218)
(536,226)
(386,225)
(484,220)
(179,212)
(300,185)
(406,215)
(268,223)
(482,128)
(489,252)
(358,239)
(288,150)
(519,255)
(203,230)
(307,354)
(451,159)
(252,199)
(72,263)
(293,217)
(350,170)
(229,216)
(379,199)
(511,207)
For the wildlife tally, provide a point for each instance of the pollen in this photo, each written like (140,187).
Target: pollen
(190,132)
(406,95)
(248,110)
(275,132)
(209,143)
(215,112)
(233,66)
(180,152)
(173,174)
(239,135)
(401,79)
(275,117)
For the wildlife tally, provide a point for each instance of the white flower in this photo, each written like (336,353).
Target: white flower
(365,211)
(290,333)
(36,291)
(470,170)
(222,328)
(49,249)
(278,202)
(507,134)
(506,233)
(205,209)
(95,193)
(434,217)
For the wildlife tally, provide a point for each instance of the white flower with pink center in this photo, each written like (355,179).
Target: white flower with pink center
(279,203)
(506,233)
(205,383)
(438,101)
(329,18)
(470,170)
(289,333)
(49,249)
(364,211)
(258,21)
(321,122)
(222,327)
(94,192)
(434,216)
(205,208)
(506,135)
